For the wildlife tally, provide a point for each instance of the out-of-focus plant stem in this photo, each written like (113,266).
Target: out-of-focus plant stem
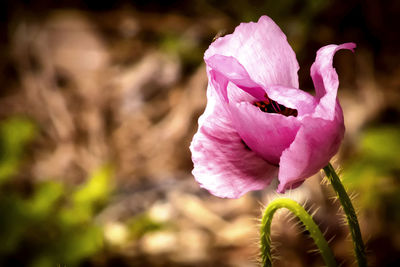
(305,218)
(350,214)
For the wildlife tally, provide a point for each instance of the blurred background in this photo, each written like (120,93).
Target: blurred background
(98,105)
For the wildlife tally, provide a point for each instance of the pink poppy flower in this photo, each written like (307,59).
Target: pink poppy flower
(258,124)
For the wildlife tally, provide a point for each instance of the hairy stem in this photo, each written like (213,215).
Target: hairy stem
(305,218)
(350,214)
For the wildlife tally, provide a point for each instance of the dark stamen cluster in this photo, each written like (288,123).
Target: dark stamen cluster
(270,106)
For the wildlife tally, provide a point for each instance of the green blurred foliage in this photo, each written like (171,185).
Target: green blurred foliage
(50,225)
(185,47)
(374,172)
(143,223)
(15,133)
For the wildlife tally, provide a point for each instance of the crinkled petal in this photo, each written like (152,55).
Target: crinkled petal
(242,67)
(267,134)
(222,163)
(326,81)
(320,135)
(223,69)
(263,50)
(316,142)
(293,98)
(227,69)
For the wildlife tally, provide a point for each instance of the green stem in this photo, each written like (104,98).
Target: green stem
(350,214)
(305,218)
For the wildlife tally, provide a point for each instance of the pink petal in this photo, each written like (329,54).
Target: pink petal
(325,78)
(267,134)
(227,69)
(222,163)
(263,50)
(316,142)
(223,69)
(319,138)
(293,98)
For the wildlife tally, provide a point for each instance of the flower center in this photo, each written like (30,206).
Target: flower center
(270,106)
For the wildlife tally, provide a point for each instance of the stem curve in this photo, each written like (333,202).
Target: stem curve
(350,214)
(305,218)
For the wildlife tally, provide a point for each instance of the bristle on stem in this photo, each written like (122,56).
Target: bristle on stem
(308,223)
(351,216)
